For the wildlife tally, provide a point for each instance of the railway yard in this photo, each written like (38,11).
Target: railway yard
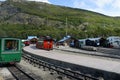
(58,40)
(64,63)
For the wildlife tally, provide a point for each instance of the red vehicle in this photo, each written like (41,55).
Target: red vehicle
(27,43)
(45,42)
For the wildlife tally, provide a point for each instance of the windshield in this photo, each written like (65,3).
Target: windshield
(11,45)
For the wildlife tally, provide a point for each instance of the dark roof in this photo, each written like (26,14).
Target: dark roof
(46,38)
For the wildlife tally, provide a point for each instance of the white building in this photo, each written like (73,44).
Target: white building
(114,41)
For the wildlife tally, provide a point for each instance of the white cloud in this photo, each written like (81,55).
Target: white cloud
(116,4)
(101,3)
(81,4)
(46,1)
(97,3)
(107,7)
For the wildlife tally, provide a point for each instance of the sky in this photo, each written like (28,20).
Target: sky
(106,7)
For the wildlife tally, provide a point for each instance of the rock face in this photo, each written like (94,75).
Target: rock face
(17,0)
(13,15)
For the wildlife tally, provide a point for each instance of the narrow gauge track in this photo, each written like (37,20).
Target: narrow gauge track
(19,74)
(60,70)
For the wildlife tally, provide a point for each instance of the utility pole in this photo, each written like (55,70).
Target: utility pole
(66,26)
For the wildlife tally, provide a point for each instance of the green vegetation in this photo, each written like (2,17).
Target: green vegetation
(46,19)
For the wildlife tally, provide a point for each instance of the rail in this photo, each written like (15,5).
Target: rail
(58,69)
(19,74)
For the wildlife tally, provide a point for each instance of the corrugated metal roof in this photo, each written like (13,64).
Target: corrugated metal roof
(30,37)
(65,38)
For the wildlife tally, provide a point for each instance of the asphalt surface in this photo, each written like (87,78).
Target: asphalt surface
(87,61)
(110,51)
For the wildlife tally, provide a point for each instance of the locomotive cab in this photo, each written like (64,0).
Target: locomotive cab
(45,42)
(10,50)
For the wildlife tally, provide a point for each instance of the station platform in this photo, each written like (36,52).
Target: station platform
(102,52)
(109,66)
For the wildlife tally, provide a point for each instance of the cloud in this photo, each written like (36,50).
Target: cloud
(107,7)
(91,3)
(46,1)
(101,3)
(116,4)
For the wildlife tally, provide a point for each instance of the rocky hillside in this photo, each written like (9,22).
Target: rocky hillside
(20,18)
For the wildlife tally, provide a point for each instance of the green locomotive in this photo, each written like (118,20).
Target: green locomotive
(10,50)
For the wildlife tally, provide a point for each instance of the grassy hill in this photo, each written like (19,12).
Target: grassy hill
(23,18)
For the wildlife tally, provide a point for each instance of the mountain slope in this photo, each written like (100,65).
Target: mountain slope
(33,18)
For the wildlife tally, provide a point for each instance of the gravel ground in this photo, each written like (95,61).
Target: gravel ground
(5,74)
(44,74)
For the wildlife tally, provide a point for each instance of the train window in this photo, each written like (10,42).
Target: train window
(40,42)
(11,45)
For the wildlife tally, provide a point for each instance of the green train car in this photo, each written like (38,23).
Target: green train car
(10,50)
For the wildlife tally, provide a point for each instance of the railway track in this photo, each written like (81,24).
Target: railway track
(20,74)
(73,75)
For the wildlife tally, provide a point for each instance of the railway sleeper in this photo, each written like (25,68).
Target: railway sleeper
(58,69)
